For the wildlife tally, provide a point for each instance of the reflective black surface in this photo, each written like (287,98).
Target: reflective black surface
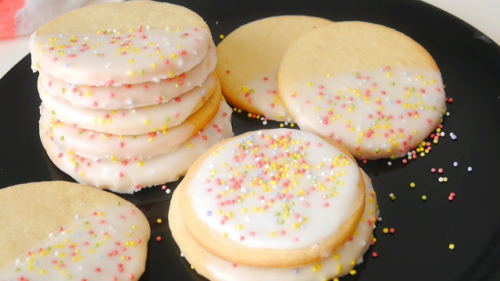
(470,64)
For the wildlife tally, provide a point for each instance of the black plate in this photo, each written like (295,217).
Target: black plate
(470,64)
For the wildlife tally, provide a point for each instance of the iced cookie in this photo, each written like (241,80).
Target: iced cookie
(142,120)
(69,231)
(260,199)
(128,176)
(120,43)
(369,87)
(337,264)
(249,58)
(97,145)
(130,95)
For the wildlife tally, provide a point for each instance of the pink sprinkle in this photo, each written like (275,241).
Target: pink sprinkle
(440,170)
(433,170)
(295,239)
(326,205)
(306,205)
(251,233)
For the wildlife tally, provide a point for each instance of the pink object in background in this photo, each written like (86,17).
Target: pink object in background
(8,11)
(22,17)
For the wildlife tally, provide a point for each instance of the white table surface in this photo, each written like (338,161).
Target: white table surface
(482,14)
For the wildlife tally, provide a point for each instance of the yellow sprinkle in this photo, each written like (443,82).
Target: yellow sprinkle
(158,220)
(445,179)
(221,36)
(385,230)
(352,272)
(140,163)
(452,246)
(412,185)
(130,61)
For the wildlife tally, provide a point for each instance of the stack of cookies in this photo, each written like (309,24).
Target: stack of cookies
(129,94)
(274,205)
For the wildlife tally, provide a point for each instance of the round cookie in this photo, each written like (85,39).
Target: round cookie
(128,176)
(141,120)
(260,199)
(249,58)
(72,225)
(96,145)
(337,264)
(369,87)
(130,95)
(120,43)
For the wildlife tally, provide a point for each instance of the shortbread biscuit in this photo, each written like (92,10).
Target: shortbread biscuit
(260,199)
(53,230)
(337,264)
(130,95)
(249,58)
(128,176)
(120,43)
(366,86)
(137,121)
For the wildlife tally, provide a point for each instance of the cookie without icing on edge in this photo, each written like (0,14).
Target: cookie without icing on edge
(30,212)
(369,87)
(252,53)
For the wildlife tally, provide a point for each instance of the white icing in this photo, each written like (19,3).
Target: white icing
(262,93)
(118,58)
(134,175)
(315,178)
(91,248)
(142,120)
(96,145)
(130,96)
(338,263)
(368,115)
